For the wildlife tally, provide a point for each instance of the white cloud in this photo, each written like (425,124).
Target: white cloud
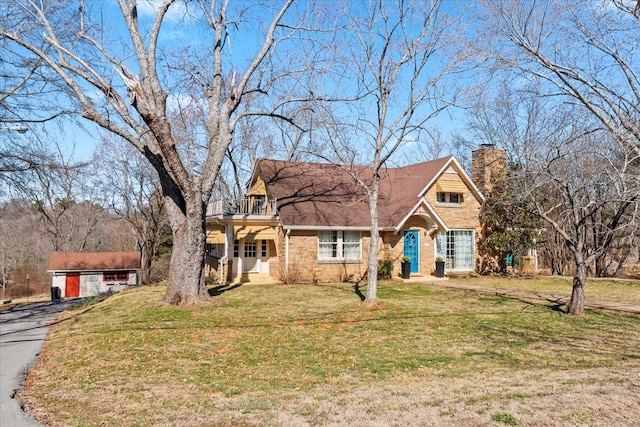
(149,8)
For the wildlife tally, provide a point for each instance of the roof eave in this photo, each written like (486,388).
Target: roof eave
(434,215)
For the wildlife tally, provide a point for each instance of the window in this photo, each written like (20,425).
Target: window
(250,249)
(456,248)
(236,248)
(327,244)
(116,276)
(264,248)
(339,245)
(455,198)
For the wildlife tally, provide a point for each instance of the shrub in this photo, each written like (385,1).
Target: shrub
(290,275)
(20,289)
(211,280)
(347,278)
(385,269)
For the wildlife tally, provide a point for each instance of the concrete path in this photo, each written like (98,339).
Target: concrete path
(22,333)
(626,308)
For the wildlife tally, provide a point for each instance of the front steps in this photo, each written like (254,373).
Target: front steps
(254,279)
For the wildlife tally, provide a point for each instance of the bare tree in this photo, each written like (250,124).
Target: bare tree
(61,194)
(14,158)
(399,57)
(131,189)
(588,55)
(568,172)
(594,192)
(11,250)
(130,86)
(20,155)
(587,52)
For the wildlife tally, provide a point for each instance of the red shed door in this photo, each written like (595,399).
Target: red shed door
(72,286)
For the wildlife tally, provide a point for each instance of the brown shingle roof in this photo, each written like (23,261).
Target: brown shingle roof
(319,194)
(81,261)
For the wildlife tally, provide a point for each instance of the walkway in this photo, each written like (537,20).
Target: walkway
(626,308)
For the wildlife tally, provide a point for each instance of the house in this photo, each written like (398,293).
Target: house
(312,221)
(86,274)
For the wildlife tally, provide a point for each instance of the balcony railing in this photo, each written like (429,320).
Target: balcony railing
(246,206)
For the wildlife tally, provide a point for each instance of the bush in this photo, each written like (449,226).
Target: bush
(289,276)
(385,269)
(21,290)
(211,280)
(348,278)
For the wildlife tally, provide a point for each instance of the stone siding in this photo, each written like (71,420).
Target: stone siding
(488,164)
(458,216)
(303,258)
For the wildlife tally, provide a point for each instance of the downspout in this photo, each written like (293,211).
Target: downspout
(286,249)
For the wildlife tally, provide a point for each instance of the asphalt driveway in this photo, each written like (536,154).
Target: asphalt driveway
(22,333)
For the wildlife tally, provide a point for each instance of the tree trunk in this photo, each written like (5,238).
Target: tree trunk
(371,298)
(601,265)
(186,274)
(576,304)
(147,251)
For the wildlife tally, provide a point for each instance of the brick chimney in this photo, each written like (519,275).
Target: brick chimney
(488,164)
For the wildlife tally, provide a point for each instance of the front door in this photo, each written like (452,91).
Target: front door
(250,262)
(72,286)
(411,249)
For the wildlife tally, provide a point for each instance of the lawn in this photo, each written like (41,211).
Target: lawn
(596,289)
(313,355)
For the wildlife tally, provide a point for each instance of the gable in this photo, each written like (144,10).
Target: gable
(258,188)
(450,182)
(452,179)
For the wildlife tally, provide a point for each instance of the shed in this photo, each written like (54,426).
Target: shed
(86,274)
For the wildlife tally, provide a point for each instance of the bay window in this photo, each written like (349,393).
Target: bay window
(456,247)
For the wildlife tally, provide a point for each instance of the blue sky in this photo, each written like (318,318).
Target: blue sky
(83,140)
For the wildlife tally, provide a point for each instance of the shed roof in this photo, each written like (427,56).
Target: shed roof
(321,194)
(91,261)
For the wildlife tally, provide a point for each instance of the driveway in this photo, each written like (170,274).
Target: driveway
(22,333)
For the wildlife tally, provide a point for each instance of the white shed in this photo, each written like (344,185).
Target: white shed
(87,274)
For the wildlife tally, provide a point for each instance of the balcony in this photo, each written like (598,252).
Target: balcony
(245,206)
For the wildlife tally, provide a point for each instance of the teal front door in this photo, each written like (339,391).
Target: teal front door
(411,249)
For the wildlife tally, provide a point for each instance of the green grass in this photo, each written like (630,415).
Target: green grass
(130,359)
(505,418)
